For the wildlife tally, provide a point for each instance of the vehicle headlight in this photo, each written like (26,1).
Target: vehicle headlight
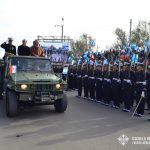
(57,86)
(24,86)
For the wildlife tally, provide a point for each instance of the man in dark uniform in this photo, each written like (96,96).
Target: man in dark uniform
(133,84)
(127,77)
(79,80)
(85,80)
(9,48)
(139,88)
(91,81)
(106,85)
(75,77)
(24,50)
(148,86)
(98,80)
(116,86)
(70,77)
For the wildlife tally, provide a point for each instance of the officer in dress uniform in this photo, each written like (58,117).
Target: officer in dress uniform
(70,78)
(133,85)
(148,86)
(127,77)
(91,82)
(106,85)
(98,80)
(75,77)
(9,48)
(116,86)
(85,80)
(139,88)
(79,80)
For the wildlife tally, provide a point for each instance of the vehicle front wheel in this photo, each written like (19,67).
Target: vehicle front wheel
(61,104)
(11,104)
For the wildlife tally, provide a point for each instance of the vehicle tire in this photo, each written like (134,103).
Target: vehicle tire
(61,104)
(11,104)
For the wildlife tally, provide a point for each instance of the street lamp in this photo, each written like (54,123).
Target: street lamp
(62,28)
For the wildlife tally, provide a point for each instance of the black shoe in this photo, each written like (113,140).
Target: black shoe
(125,110)
(140,115)
(113,106)
(128,110)
(117,107)
(106,104)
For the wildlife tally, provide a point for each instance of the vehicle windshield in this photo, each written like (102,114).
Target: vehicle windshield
(29,64)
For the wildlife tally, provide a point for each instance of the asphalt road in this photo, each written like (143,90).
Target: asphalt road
(85,125)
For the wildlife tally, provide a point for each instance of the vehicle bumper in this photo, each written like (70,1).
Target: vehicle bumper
(40,97)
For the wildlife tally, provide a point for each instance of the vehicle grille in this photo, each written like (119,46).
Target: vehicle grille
(42,87)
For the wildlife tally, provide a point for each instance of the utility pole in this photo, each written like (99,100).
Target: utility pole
(130,31)
(62,29)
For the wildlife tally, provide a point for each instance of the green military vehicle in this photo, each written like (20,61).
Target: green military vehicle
(30,80)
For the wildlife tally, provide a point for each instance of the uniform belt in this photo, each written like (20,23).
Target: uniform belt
(143,83)
(126,80)
(79,76)
(99,78)
(108,80)
(91,77)
(86,76)
(118,80)
(115,79)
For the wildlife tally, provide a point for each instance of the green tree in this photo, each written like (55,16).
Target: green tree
(121,38)
(82,44)
(141,33)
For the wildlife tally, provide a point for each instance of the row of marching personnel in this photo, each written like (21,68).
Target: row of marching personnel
(113,84)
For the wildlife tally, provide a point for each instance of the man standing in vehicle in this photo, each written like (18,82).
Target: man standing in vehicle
(24,50)
(36,50)
(9,48)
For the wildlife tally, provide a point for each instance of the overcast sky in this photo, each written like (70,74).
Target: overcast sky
(99,18)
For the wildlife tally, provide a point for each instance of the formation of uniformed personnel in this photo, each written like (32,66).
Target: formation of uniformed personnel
(111,84)
(9,47)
